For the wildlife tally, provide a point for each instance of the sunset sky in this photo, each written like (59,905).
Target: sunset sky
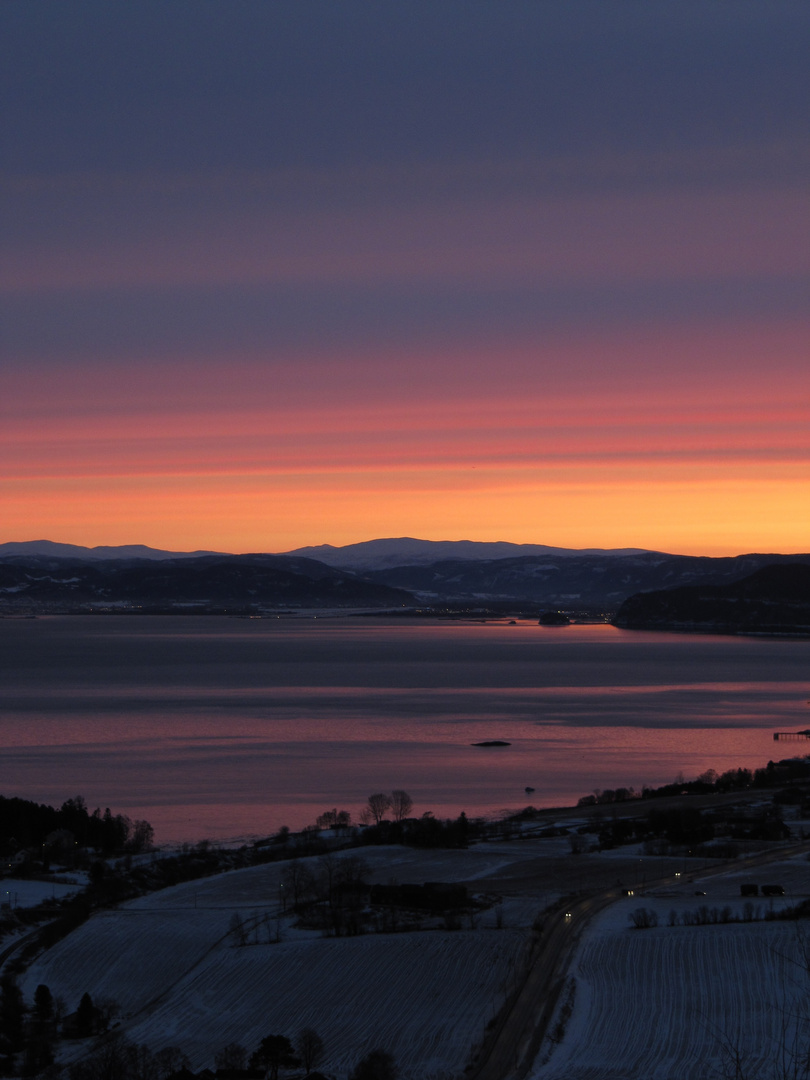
(295,272)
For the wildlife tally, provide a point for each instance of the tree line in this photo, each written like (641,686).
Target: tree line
(31,1050)
(774,774)
(56,834)
(386,819)
(29,1034)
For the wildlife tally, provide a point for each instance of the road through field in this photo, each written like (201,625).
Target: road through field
(517,1041)
(522,1030)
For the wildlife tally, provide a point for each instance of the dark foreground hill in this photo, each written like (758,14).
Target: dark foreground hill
(593,583)
(773,600)
(572,582)
(237,583)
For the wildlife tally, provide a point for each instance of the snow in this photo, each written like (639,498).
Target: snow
(662,1004)
(127,955)
(258,886)
(671,1003)
(25,893)
(656,1004)
(426,996)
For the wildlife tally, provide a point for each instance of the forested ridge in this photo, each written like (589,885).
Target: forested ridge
(25,824)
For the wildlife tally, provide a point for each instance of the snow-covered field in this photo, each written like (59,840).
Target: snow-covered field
(425,997)
(129,956)
(23,892)
(171,963)
(656,1004)
(673,1002)
(259,885)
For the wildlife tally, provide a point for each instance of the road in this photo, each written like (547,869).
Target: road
(17,944)
(520,1034)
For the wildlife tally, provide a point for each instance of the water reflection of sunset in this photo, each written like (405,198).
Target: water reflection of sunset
(251,725)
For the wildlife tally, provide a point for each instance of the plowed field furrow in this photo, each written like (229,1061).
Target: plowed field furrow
(425,997)
(129,957)
(664,1003)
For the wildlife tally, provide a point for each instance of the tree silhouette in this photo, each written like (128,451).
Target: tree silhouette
(296,881)
(310,1048)
(43,1002)
(275,1052)
(376,1065)
(231,1057)
(331,819)
(170,1060)
(401,804)
(85,1017)
(12,1014)
(378,806)
(237,929)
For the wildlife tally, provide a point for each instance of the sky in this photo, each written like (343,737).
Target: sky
(318,271)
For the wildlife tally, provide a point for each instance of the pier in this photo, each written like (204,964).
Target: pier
(790,736)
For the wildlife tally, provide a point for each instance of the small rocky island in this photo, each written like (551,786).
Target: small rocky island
(554,618)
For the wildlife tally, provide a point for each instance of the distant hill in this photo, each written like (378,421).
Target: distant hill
(408,551)
(75,551)
(558,579)
(572,582)
(774,599)
(233,583)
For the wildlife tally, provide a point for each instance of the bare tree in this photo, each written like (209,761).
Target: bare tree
(237,929)
(578,843)
(401,804)
(142,838)
(119,1058)
(789,1053)
(352,869)
(643,918)
(108,1009)
(171,1059)
(325,885)
(297,878)
(378,806)
(333,819)
(231,1057)
(310,1048)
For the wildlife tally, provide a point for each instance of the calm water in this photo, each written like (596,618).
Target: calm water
(216,727)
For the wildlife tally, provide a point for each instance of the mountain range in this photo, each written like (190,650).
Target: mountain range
(368,555)
(50,548)
(408,551)
(397,574)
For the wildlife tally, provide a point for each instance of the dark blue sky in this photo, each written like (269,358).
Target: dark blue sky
(209,85)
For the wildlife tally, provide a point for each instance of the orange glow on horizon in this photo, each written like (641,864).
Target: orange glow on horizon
(685,439)
(726,513)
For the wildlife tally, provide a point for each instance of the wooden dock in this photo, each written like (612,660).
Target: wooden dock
(790,736)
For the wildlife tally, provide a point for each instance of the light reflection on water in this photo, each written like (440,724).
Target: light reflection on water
(220,727)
